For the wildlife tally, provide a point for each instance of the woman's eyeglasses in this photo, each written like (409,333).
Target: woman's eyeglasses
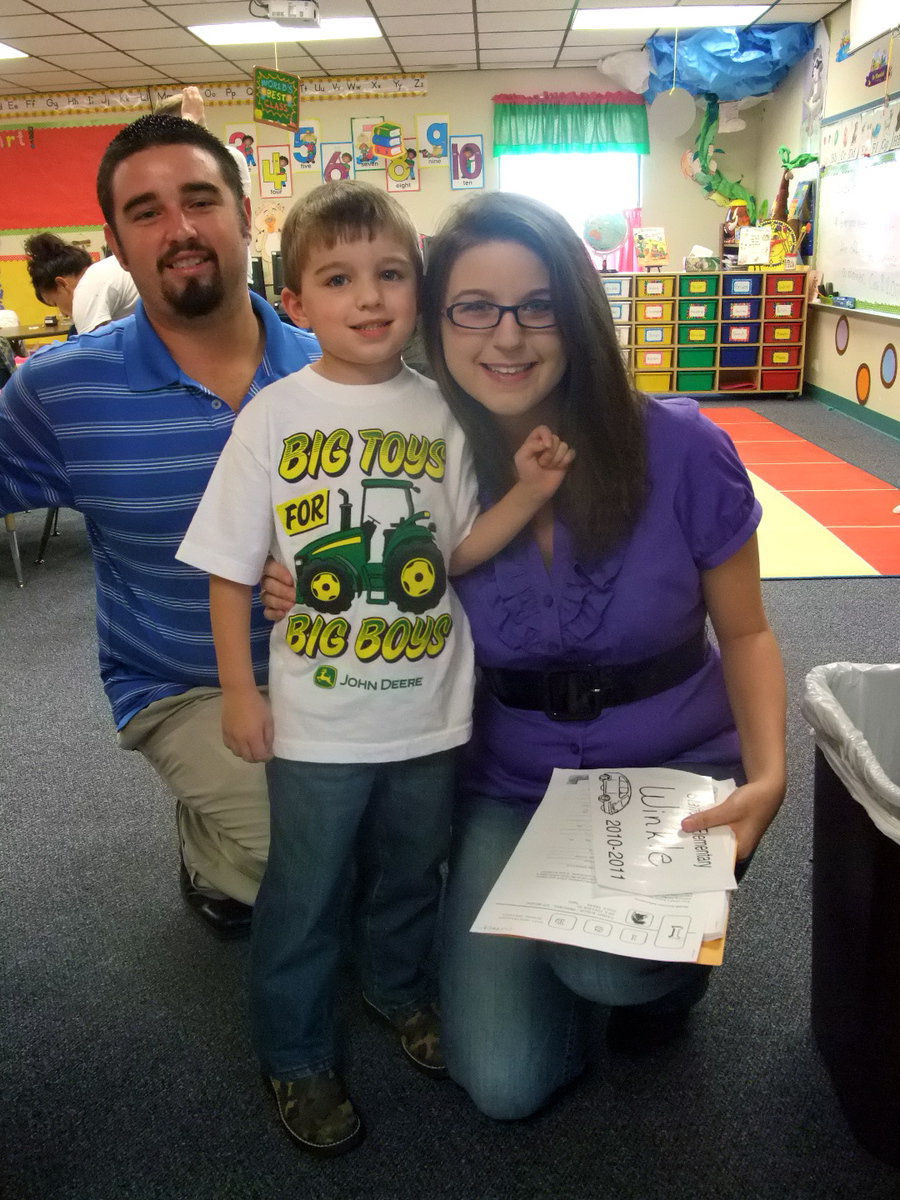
(480,314)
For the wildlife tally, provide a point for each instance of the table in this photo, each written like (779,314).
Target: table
(32,333)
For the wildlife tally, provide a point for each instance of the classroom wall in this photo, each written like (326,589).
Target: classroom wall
(669,199)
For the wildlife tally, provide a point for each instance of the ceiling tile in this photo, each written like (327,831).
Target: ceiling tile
(542,39)
(18,8)
(206,14)
(66,6)
(532,57)
(804,13)
(556,18)
(51,81)
(514,7)
(125,18)
(455,41)
(140,75)
(348,65)
(435,58)
(78,62)
(137,39)
(452,23)
(30,26)
(178,54)
(413,8)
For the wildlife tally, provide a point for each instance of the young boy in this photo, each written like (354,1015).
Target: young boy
(354,474)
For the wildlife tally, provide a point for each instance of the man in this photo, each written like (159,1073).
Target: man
(65,277)
(125,424)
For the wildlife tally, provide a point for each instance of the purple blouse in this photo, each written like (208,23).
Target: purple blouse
(641,599)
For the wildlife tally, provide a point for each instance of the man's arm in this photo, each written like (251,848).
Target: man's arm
(246,717)
(32,470)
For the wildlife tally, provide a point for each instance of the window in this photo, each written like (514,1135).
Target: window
(577,185)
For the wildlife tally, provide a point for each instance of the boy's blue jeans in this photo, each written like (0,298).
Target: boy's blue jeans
(373,835)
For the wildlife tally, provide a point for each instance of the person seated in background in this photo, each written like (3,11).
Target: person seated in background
(64,276)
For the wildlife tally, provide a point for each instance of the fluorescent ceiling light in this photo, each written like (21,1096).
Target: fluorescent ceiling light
(697,16)
(257,33)
(8,52)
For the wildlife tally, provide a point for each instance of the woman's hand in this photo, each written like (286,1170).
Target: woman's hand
(247,728)
(749,811)
(277,590)
(542,462)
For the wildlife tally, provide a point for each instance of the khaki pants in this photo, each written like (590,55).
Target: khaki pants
(223,806)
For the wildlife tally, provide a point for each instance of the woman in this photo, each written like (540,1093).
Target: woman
(652,530)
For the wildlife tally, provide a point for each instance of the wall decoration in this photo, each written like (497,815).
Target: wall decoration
(878,71)
(401,173)
(843,50)
(863,383)
(276,98)
(387,140)
(306,146)
(895,125)
(466,161)
(268,220)
(275,171)
(889,365)
(39,105)
(337,161)
(814,86)
(362,130)
(361,87)
(842,335)
(433,140)
(243,137)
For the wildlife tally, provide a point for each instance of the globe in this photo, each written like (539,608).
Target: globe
(605,233)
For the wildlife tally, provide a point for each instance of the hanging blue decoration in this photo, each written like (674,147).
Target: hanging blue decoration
(727,63)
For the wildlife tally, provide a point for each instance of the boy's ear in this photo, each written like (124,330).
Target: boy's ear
(292,305)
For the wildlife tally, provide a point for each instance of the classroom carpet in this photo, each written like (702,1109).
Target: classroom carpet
(822,517)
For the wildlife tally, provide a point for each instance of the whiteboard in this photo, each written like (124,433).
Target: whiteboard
(858,229)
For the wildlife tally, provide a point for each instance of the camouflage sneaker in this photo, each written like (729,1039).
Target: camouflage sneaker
(420,1037)
(317,1112)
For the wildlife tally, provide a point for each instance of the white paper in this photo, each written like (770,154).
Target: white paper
(639,846)
(547,891)
(754,245)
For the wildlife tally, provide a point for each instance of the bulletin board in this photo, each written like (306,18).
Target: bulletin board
(858,234)
(48,176)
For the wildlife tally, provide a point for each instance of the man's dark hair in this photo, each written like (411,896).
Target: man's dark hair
(50,257)
(161,129)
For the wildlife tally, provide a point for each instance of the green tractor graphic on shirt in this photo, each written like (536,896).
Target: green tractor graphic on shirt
(406,569)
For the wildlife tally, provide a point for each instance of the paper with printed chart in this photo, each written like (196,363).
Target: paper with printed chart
(548,890)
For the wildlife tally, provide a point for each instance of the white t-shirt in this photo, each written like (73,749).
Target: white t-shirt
(105,292)
(363,491)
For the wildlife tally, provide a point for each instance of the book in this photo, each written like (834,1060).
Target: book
(650,247)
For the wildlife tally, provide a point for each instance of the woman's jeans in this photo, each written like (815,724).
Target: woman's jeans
(515,1011)
(371,834)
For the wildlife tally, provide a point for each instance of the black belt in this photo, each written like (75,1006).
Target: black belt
(580,693)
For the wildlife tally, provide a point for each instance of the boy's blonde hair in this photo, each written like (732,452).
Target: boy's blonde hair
(343,211)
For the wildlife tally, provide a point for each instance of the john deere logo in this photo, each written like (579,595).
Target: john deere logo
(326,677)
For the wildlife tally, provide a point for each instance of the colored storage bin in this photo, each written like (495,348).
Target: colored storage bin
(697,335)
(653,335)
(621,310)
(781,356)
(741,285)
(649,360)
(695,381)
(654,311)
(741,333)
(653,381)
(780,381)
(616,285)
(698,285)
(783,331)
(655,285)
(742,309)
(738,356)
(697,356)
(788,309)
(698,310)
(623,334)
(785,285)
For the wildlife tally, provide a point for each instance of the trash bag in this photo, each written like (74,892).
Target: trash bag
(854,711)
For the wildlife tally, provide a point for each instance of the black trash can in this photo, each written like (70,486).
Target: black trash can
(856,894)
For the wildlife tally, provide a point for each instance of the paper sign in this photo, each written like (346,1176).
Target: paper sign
(276,98)
(754,244)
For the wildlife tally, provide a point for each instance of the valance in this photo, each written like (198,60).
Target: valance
(562,122)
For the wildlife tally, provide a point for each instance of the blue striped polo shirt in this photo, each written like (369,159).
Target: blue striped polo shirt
(110,425)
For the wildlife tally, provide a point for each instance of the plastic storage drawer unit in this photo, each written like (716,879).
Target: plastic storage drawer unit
(742,333)
(781,356)
(741,285)
(789,309)
(738,356)
(697,335)
(783,331)
(780,381)
(697,310)
(620,309)
(653,335)
(653,360)
(655,311)
(698,285)
(653,381)
(695,381)
(616,285)
(696,356)
(741,310)
(649,286)
(623,334)
(785,285)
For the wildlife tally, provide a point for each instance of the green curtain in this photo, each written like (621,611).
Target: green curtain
(561,122)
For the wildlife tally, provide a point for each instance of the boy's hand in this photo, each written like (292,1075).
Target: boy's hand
(247,725)
(277,590)
(192,105)
(542,462)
